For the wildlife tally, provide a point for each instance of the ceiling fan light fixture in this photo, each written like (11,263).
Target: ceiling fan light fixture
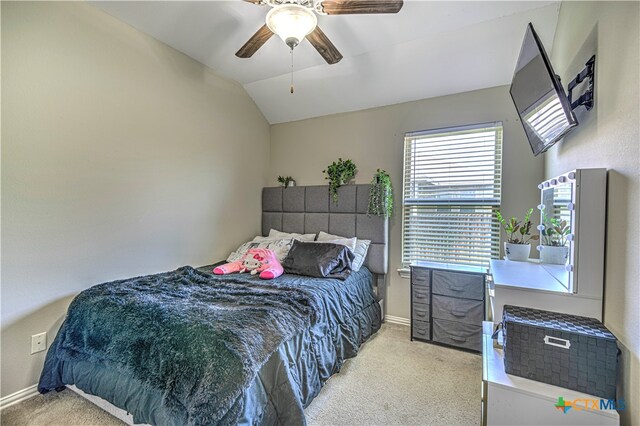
(292,22)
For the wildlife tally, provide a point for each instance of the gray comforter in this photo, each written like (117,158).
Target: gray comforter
(194,345)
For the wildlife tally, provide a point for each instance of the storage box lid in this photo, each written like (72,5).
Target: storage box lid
(556,320)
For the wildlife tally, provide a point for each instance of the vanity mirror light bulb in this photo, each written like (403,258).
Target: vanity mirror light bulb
(540,186)
(570,237)
(540,227)
(554,182)
(562,179)
(572,175)
(570,206)
(546,184)
(540,248)
(540,207)
(569,268)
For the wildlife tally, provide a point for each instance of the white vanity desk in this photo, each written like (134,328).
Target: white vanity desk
(529,275)
(535,285)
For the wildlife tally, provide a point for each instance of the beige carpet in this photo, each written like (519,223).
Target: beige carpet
(53,409)
(391,382)
(394,381)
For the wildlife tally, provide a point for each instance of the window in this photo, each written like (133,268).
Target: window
(547,118)
(451,193)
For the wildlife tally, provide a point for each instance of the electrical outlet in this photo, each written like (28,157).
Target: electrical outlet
(38,343)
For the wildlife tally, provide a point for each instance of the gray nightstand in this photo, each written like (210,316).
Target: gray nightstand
(447,304)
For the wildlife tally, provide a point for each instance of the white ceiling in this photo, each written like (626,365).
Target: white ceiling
(430,48)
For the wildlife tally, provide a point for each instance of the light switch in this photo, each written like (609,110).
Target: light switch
(38,343)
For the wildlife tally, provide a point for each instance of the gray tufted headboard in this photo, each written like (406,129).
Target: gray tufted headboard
(310,209)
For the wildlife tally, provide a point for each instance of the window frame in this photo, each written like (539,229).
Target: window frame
(494,203)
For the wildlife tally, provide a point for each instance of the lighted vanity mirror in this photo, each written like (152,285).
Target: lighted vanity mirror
(556,227)
(575,287)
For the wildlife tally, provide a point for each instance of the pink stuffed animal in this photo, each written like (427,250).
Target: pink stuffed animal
(257,260)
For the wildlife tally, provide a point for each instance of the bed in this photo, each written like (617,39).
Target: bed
(190,347)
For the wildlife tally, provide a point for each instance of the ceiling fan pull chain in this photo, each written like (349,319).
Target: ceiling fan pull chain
(292,70)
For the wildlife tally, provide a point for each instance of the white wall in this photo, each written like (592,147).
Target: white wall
(120,157)
(608,136)
(374,138)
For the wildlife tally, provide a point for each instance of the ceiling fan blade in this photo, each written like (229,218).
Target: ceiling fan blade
(323,45)
(255,42)
(350,7)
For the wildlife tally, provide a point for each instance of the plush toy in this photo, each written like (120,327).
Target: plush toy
(256,261)
(252,264)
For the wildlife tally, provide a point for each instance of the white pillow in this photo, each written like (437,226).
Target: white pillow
(359,248)
(324,237)
(280,246)
(261,238)
(362,247)
(350,243)
(301,237)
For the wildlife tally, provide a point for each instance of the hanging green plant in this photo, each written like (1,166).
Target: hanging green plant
(381,195)
(339,173)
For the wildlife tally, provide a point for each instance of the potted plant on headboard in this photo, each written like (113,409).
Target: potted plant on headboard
(339,173)
(381,195)
(286,181)
(517,246)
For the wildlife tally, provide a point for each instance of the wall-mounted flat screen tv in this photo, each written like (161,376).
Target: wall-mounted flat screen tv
(541,101)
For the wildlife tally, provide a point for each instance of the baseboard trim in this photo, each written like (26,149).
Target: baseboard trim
(19,396)
(397,320)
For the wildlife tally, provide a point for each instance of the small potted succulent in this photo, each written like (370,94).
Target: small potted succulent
(286,181)
(381,195)
(554,240)
(339,173)
(518,244)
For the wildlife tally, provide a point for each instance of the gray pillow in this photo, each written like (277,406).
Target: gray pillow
(357,245)
(321,260)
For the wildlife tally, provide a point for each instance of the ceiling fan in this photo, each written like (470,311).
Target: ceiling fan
(293,20)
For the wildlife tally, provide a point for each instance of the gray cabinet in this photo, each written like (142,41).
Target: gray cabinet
(447,304)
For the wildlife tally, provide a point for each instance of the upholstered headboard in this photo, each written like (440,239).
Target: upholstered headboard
(310,209)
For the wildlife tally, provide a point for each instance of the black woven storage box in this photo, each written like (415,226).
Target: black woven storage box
(570,351)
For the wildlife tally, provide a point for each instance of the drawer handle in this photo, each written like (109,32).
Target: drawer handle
(423,332)
(560,343)
(421,314)
(456,288)
(458,338)
(421,295)
(458,314)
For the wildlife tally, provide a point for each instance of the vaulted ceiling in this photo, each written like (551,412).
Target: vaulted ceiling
(430,48)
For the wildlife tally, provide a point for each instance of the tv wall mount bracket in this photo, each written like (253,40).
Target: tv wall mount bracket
(586,99)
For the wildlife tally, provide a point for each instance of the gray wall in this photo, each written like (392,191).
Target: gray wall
(374,138)
(608,136)
(120,157)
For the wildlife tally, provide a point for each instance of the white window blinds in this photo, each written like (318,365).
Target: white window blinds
(451,193)
(547,119)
